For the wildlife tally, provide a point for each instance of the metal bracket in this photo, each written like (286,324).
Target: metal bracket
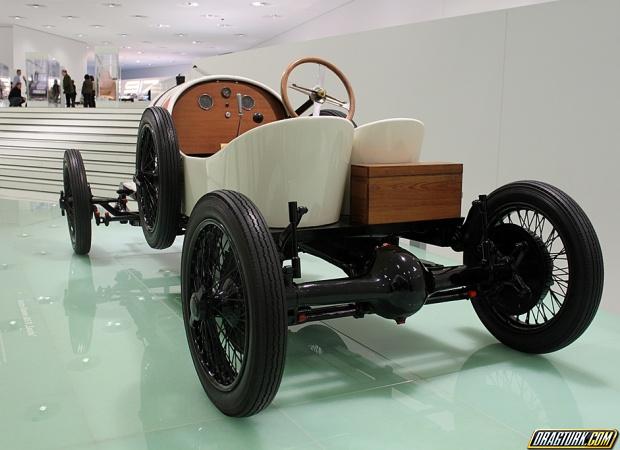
(289,238)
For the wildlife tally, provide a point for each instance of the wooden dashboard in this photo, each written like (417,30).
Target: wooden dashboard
(207,115)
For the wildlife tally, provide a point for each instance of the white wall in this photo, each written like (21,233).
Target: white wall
(365,15)
(525,93)
(6,46)
(70,53)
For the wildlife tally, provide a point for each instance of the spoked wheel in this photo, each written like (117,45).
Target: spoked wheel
(557,268)
(158,178)
(76,197)
(234,307)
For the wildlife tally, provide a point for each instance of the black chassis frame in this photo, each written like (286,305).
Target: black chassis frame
(372,279)
(360,250)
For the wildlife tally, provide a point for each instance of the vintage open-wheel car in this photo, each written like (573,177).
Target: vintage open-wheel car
(230,164)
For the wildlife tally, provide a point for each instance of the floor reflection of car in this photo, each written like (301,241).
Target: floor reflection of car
(523,391)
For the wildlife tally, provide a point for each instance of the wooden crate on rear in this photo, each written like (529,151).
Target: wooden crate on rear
(389,193)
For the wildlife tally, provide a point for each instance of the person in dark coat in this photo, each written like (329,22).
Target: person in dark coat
(55,93)
(87,91)
(73,93)
(67,87)
(92,99)
(15,96)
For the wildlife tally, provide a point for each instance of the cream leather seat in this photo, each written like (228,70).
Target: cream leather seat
(390,141)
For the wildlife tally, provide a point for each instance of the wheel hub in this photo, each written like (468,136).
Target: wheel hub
(526,275)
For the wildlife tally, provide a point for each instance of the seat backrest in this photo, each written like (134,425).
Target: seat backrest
(390,141)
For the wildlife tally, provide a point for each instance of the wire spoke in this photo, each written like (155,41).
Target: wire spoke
(219,338)
(551,242)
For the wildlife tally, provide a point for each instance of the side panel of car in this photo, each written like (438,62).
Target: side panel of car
(304,160)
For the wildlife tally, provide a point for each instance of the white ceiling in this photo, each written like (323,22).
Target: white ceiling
(208,27)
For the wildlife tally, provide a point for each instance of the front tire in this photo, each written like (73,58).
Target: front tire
(234,305)
(158,178)
(564,268)
(77,196)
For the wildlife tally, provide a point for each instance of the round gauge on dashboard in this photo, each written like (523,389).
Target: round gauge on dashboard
(247,102)
(226,92)
(205,101)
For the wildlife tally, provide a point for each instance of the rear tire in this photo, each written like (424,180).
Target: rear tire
(158,178)
(78,208)
(234,305)
(574,285)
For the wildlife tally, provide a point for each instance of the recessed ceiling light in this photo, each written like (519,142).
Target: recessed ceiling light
(97,26)
(123,35)
(139,16)
(224,25)
(240,35)
(17,17)
(128,47)
(179,35)
(140,52)
(111,5)
(210,16)
(259,4)
(69,17)
(163,25)
(79,35)
(196,42)
(150,64)
(191,4)
(138,61)
(105,43)
(35,5)
(273,16)
(49,26)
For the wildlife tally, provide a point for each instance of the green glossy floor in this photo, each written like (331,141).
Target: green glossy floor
(93,356)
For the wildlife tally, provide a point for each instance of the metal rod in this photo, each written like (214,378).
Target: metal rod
(448,296)
(329,312)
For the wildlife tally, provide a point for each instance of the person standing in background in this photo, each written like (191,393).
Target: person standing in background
(92,99)
(17,78)
(55,92)
(67,87)
(87,91)
(73,93)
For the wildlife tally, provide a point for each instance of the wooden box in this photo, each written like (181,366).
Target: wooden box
(388,193)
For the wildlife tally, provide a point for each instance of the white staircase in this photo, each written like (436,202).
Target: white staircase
(33,141)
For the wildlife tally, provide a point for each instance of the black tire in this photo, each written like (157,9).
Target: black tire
(158,178)
(572,291)
(335,113)
(78,208)
(240,365)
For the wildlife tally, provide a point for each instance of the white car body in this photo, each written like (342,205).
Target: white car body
(305,159)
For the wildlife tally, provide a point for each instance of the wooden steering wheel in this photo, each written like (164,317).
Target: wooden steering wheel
(317,96)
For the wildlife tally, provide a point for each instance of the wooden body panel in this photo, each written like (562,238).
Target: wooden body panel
(390,193)
(202,132)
